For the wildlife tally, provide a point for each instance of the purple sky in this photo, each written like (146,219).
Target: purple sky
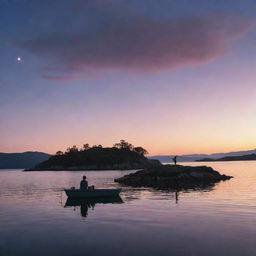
(172,76)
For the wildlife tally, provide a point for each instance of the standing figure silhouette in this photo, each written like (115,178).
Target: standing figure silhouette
(175,160)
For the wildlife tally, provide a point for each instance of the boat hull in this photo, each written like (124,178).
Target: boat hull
(96,193)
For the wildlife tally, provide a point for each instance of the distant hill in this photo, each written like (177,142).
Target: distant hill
(195,157)
(230,158)
(21,160)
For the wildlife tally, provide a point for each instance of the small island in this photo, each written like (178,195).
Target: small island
(173,177)
(122,156)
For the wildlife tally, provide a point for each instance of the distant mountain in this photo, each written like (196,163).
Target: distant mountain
(195,157)
(22,160)
(230,158)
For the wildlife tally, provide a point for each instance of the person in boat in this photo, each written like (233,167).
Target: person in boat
(84,183)
(175,160)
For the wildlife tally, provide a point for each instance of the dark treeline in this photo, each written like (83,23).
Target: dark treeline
(122,152)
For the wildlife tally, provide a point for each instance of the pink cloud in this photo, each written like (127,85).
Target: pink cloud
(142,44)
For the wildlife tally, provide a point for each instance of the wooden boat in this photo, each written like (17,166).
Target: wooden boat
(91,193)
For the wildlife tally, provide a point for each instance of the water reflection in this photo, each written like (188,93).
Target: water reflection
(86,203)
(222,215)
(176,197)
(148,193)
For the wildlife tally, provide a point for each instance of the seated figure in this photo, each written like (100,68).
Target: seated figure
(84,183)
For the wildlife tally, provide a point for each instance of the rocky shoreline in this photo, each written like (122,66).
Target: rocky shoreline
(174,177)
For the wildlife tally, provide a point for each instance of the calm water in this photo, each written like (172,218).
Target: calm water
(218,221)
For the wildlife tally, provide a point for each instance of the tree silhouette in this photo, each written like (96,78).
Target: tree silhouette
(97,146)
(72,149)
(86,146)
(123,145)
(140,150)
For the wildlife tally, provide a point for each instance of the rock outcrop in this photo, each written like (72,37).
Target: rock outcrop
(173,177)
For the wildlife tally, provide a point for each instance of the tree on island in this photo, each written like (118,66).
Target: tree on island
(126,145)
(86,146)
(72,149)
(140,150)
(97,146)
(123,145)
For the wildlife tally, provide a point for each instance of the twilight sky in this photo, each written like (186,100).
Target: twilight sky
(173,76)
